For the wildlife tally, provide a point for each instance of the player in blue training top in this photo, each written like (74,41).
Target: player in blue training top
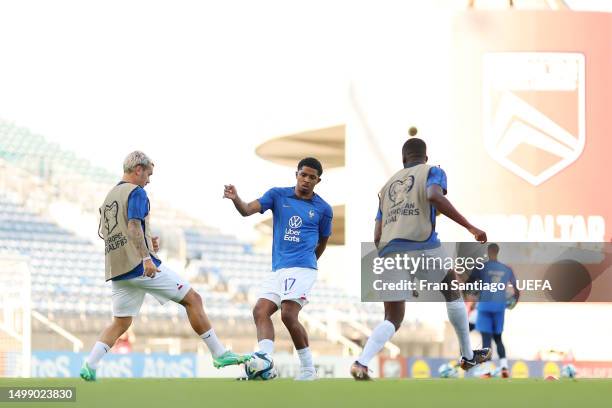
(492,305)
(302,226)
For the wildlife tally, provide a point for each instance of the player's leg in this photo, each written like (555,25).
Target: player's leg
(268,303)
(458,317)
(498,328)
(486,339)
(394,315)
(262,316)
(168,285)
(501,351)
(290,310)
(107,339)
(194,307)
(295,287)
(127,300)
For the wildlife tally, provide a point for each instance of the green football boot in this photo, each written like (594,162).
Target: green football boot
(229,358)
(87,373)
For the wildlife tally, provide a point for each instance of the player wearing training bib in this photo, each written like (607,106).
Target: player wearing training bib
(302,225)
(134,269)
(406,224)
(492,305)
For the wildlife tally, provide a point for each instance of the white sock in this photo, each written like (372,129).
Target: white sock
(98,351)
(213,343)
(380,335)
(266,345)
(503,363)
(305,358)
(457,314)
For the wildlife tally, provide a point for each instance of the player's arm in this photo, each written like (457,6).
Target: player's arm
(321,246)
(435,195)
(378,225)
(325,230)
(245,209)
(517,293)
(136,236)
(138,209)
(377,232)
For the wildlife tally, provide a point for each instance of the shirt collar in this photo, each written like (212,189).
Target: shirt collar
(412,164)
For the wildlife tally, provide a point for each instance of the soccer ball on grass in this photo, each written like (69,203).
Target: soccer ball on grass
(260,367)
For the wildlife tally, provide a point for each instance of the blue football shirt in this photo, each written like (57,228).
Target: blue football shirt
(436,176)
(493,272)
(298,224)
(138,209)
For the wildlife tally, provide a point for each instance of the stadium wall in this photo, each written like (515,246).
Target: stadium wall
(188,365)
(57,364)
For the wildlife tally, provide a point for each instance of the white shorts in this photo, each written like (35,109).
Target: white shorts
(288,284)
(129,294)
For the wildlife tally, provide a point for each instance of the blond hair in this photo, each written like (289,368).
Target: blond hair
(135,159)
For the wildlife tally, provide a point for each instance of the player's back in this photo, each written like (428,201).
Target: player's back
(494,272)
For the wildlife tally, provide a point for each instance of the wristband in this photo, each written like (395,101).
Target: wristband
(147,258)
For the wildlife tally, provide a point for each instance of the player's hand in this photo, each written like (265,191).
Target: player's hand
(479,235)
(230,192)
(149,268)
(155,244)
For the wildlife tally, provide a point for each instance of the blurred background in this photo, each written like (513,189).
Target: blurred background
(238,92)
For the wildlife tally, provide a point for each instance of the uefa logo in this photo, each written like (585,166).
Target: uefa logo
(295,222)
(399,190)
(110,217)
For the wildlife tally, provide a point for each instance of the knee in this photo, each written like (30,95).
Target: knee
(123,323)
(192,298)
(259,313)
(497,338)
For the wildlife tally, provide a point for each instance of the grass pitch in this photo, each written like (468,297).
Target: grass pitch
(185,393)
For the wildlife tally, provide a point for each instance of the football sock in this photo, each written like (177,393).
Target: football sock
(97,352)
(266,345)
(305,358)
(503,363)
(380,335)
(457,314)
(213,343)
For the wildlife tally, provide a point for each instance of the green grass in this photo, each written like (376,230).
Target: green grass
(209,393)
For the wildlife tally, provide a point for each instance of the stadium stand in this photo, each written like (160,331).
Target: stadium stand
(67,270)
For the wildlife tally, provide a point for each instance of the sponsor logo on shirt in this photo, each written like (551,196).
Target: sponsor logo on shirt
(292,232)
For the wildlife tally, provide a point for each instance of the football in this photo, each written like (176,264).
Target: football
(568,371)
(447,371)
(260,367)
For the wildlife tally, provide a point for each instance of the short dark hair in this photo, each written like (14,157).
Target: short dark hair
(312,163)
(493,247)
(414,147)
